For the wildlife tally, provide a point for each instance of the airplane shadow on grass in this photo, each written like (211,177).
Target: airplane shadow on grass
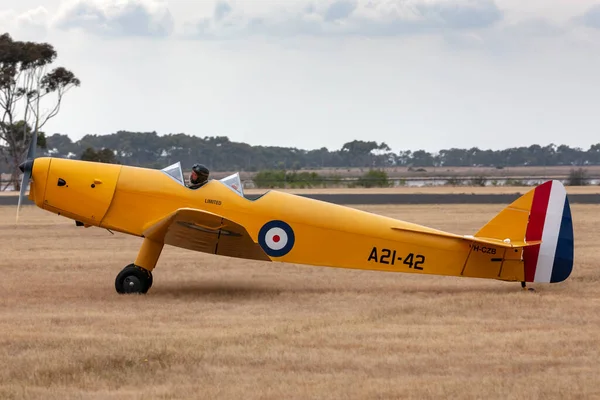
(244,290)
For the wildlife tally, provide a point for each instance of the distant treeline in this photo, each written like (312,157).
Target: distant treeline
(148,149)
(304,179)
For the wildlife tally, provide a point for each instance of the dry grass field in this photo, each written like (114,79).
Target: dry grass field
(223,328)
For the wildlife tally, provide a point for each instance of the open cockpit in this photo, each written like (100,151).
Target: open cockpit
(232,181)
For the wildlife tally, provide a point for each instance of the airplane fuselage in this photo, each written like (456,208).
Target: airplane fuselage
(131,199)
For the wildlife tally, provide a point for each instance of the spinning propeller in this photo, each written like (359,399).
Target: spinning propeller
(26,167)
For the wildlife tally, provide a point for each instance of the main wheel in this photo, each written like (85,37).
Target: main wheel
(133,279)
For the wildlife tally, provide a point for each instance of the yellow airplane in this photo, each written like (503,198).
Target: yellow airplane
(531,240)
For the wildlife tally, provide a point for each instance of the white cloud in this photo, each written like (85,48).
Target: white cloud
(474,22)
(590,18)
(116,17)
(515,37)
(524,72)
(535,27)
(35,19)
(28,25)
(349,17)
(6,19)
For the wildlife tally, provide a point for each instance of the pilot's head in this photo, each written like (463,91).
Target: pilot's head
(199,174)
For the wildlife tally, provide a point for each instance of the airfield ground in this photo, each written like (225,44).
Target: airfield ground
(224,328)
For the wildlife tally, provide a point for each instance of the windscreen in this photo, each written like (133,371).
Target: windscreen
(174,170)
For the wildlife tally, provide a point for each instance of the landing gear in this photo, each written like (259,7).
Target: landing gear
(524,286)
(137,277)
(133,279)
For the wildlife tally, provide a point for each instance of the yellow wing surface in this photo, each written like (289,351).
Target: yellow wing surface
(206,232)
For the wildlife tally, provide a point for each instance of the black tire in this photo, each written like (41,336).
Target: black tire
(150,280)
(133,279)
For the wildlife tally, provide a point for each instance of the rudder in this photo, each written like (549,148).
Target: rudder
(550,221)
(542,214)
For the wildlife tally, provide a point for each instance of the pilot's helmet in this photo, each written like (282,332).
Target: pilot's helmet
(201,172)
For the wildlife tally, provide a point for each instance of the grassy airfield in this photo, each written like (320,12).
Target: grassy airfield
(224,328)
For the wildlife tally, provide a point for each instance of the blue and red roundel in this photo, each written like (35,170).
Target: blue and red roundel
(276,238)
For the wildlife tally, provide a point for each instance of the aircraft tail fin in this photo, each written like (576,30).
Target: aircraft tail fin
(542,214)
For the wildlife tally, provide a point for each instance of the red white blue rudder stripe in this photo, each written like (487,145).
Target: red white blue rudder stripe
(549,221)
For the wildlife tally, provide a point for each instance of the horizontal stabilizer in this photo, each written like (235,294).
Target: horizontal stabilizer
(502,243)
(505,243)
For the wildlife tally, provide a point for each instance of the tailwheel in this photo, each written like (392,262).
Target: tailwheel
(133,279)
(524,286)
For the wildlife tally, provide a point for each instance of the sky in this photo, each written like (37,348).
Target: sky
(415,74)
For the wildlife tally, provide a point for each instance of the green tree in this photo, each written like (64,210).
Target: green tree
(577,177)
(148,149)
(104,156)
(25,83)
(422,158)
(373,178)
(60,145)
(19,133)
(270,179)
(361,153)
(89,154)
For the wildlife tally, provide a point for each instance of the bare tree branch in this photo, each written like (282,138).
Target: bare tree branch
(24,84)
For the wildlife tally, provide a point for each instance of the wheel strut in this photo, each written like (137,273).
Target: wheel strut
(524,286)
(137,277)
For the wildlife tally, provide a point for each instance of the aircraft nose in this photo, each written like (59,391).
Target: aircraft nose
(27,165)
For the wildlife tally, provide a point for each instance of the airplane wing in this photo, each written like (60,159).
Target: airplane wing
(204,231)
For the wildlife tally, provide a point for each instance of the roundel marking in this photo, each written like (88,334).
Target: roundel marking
(276,238)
